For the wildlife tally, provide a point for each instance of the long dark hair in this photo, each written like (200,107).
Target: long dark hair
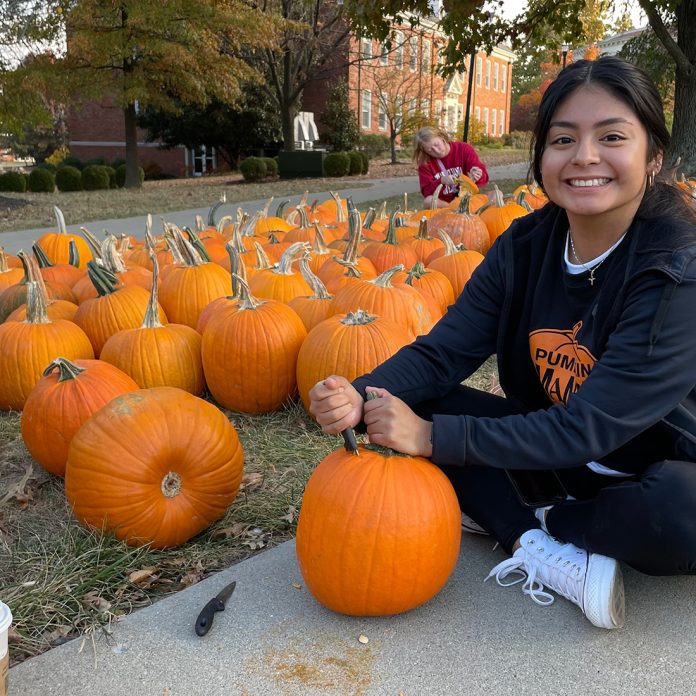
(635,88)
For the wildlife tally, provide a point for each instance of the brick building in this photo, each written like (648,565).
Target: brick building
(97,129)
(378,78)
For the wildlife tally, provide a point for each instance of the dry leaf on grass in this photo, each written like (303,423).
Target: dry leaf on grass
(92,599)
(20,491)
(145,577)
(250,481)
(289,516)
(233,532)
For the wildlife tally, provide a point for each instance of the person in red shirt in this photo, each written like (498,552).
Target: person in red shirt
(441,161)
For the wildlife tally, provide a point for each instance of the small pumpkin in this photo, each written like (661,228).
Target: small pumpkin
(57,244)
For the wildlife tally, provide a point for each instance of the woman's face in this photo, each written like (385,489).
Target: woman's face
(595,159)
(436,147)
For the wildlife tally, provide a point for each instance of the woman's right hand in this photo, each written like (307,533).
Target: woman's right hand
(335,404)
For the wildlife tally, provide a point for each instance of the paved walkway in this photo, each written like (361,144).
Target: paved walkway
(472,639)
(376,189)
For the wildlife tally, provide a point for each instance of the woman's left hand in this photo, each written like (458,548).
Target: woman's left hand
(475,173)
(391,423)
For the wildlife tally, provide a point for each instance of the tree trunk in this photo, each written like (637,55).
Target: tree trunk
(392,145)
(132,176)
(684,125)
(287,118)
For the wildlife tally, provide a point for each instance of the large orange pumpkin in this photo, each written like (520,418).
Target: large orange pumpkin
(67,394)
(378,533)
(154,466)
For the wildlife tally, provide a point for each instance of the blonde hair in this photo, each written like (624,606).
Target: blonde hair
(424,136)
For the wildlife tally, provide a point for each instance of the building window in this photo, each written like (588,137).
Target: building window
(399,53)
(451,119)
(503,87)
(381,114)
(203,159)
(426,55)
(494,122)
(495,77)
(479,68)
(366,48)
(501,121)
(413,53)
(460,112)
(425,107)
(485,120)
(366,109)
(412,106)
(383,55)
(477,113)
(488,74)
(398,112)
(438,112)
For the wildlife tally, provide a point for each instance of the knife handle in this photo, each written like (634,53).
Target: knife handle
(205,618)
(349,440)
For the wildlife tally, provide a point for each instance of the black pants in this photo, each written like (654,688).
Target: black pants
(648,520)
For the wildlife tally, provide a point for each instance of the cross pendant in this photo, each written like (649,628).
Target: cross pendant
(592,278)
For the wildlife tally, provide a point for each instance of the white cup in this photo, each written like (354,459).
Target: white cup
(5,622)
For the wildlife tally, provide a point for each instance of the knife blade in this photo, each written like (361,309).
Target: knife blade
(349,442)
(217,603)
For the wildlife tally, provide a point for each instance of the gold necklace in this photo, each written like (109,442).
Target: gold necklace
(582,263)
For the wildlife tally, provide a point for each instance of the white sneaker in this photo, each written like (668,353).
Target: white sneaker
(590,580)
(468,525)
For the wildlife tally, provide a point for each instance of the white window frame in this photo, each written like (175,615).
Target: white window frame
(488,74)
(477,113)
(399,52)
(438,111)
(366,109)
(381,114)
(503,82)
(485,120)
(501,121)
(413,53)
(495,76)
(366,49)
(479,71)
(427,48)
(383,55)
(494,121)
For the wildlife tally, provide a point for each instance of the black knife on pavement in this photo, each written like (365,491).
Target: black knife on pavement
(217,603)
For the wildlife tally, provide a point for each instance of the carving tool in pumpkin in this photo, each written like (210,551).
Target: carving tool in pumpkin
(217,603)
(349,441)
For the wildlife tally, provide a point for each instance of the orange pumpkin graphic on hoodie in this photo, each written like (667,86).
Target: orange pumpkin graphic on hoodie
(561,362)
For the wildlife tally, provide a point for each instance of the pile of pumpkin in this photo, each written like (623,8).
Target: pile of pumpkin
(107,347)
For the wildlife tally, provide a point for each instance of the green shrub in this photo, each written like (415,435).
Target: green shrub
(69,179)
(365,162)
(95,177)
(48,165)
(337,164)
(71,161)
(271,166)
(374,144)
(121,175)
(117,162)
(96,160)
(253,168)
(12,181)
(518,139)
(112,176)
(41,181)
(355,163)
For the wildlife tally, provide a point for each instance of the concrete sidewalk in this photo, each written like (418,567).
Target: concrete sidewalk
(471,639)
(373,189)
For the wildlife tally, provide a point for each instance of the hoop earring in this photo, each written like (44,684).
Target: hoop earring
(651,179)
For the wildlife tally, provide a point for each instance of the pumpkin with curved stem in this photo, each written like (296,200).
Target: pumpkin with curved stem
(65,273)
(532,194)
(26,347)
(423,244)
(378,533)
(57,244)
(187,289)
(400,303)
(391,251)
(432,283)
(463,227)
(282,283)
(55,309)
(349,344)
(498,215)
(158,355)
(8,276)
(67,394)
(113,310)
(457,263)
(250,352)
(316,307)
(154,466)
(274,223)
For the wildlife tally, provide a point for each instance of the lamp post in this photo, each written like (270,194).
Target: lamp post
(564,53)
(472,59)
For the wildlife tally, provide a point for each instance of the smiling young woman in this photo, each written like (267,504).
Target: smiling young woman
(587,304)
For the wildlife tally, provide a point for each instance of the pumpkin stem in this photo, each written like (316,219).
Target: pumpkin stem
(60,220)
(383,280)
(73,254)
(319,245)
(171,485)
(152,319)
(289,256)
(237,267)
(3,260)
(263,263)
(214,209)
(66,369)
(197,244)
(450,246)
(111,258)
(39,254)
(360,317)
(93,242)
(103,280)
(436,197)
(246,299)
(319,291)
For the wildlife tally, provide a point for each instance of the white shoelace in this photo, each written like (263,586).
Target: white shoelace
(565,575)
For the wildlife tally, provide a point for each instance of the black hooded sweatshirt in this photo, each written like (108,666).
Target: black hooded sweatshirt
(603,372)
